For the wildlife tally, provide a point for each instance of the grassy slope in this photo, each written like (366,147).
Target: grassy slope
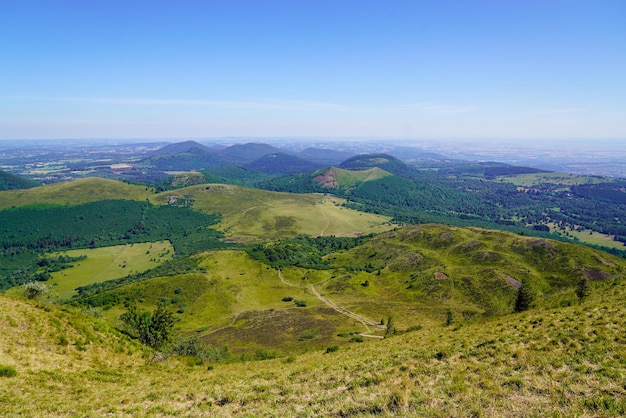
(428,269)
(350,178)
(417,275)
(246,213)
(238,304)
(545,362)
(73,192)
(108,263)
(250,214)
(38,338)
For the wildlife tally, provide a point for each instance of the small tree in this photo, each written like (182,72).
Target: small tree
(391,327)
(154,330)
(449,317)
(524,298)
(33,290)
(583,289)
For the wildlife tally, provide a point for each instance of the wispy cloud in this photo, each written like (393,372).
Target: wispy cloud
(436,108)
(557,111)
(253,104)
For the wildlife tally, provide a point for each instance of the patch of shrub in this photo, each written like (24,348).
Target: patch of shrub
(33,290)
(332,348)
(287,299)
(300,303)
(195,347)
(7,371)
(194,361)
(152,329)
(309,334)
(413,328)
(264,355)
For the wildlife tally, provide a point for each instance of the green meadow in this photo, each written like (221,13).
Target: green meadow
(107,263)
(74,192)
(252,214)
(563,179)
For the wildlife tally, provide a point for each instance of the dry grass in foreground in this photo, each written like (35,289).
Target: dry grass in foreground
(544,362)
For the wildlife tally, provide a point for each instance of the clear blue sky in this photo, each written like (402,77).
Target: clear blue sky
(416,69)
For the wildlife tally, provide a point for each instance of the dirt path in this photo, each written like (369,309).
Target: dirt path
(325,217)
(367,323)
(230,324)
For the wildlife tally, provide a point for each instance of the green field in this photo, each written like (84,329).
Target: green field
(589,237)
(252,214)
(74,192)
(108,263)
(563,179)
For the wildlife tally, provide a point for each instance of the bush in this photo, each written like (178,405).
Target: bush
(583,290)
(301,303)
(33,290)
(287,299)
(332,348)
(154,330)
(195,347)
(7,371)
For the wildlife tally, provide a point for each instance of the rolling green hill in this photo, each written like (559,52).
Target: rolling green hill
(252,214)
(10,181)
(339,178)
(246,153)
(417,275)
(382,161)
(74,192)
(281,163)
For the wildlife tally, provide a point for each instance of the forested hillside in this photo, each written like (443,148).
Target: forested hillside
(485,195)
(10,181)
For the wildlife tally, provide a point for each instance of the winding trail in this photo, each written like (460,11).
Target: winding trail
(325,217)
(367,323)
(230,324)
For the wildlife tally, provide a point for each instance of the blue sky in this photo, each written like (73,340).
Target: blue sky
(464,69)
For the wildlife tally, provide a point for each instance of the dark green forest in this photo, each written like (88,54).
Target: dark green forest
(10,181)
(466,200)
(28,232)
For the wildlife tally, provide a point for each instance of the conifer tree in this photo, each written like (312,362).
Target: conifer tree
(583,290)
(524,298)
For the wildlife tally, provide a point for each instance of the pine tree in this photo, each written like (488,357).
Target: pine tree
(524,298)
(583,290)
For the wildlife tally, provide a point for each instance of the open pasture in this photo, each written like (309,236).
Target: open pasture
(108,263)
